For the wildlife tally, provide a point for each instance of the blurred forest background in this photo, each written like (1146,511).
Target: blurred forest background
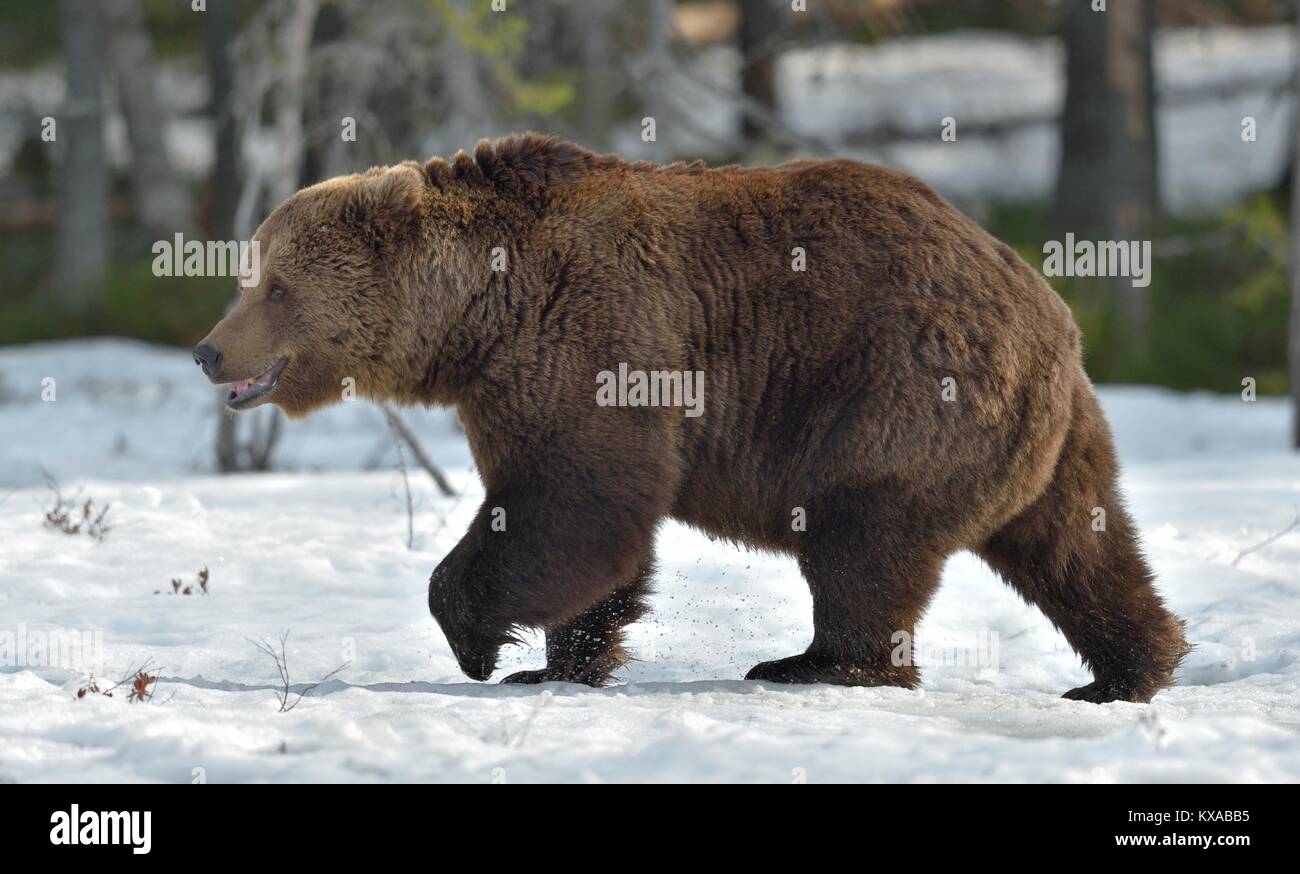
(1164,120)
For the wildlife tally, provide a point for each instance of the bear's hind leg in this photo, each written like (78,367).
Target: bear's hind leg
(871,573)
(1074,554)
(589,648)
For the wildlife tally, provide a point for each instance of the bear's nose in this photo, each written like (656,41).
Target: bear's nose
(207,357)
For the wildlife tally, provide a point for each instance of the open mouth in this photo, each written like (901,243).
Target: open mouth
(244,392)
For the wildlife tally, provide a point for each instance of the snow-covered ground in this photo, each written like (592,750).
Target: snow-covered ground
(320,550)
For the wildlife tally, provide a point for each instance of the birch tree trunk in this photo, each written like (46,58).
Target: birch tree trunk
(162,202)
(290,90)
(291,97)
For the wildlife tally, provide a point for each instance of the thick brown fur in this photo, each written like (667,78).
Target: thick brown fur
(824,395)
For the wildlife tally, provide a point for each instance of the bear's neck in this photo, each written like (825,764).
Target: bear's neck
(462,313)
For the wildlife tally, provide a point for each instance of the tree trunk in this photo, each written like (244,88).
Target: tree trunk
(403,432)
(657,61)
(162,202)
(83,198)
(759,21)
(1293,344)
(219,32)
(291,97)
(592,19)
(468,109)
(1107,186)
(294,41)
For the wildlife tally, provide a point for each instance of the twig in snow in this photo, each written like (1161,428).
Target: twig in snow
(517,741)
(406,483)
(179,589)
(1263,543)
(63,515)
(142,684)
(282,666)
(399,427)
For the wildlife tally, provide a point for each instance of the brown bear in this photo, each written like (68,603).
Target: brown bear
(879,383)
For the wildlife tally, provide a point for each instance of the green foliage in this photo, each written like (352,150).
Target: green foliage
(1219,305)
(132,302)
(29,32)
(500,39)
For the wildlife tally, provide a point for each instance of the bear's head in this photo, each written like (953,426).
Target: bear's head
(323,309)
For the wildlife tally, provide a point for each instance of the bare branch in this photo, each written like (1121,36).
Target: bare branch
(406,483)
(281,660)
(400,428)
(1295,523)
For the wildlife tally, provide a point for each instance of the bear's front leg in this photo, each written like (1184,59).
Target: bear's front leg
(543,557)
(589,648)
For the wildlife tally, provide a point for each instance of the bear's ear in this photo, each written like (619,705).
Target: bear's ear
(382,201)
(398,189)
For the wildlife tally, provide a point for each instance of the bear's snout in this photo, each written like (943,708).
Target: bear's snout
(207,357)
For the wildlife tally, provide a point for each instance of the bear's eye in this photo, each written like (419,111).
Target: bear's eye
(276,294)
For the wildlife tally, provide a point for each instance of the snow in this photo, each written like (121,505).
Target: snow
(319,549)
